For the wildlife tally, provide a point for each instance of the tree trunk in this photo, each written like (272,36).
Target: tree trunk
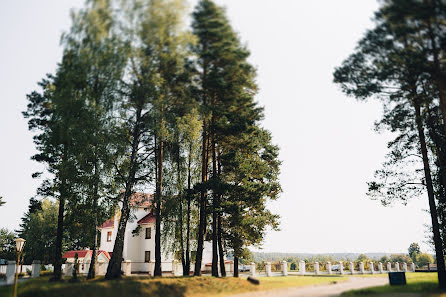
(60,218)
(180,195)
(59,237)
(430,191)
(203,197)
(114,265)
(186,269)
(214,206)
(92,268)
(235,266)
(158,271)
(220,247)
(219,228)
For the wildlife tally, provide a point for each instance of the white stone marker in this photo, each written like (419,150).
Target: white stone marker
(284,268)
(380,267)
(252,269)
(329,267)
(268,269)
(100,268)
(361,267)
(397,267)
(302,267)
(10,272)
(316,267)
(412,267)
(389,267)
(372,270)
(127,267)
(35,268)
(69,269)
(352,268)
(405,267)
(152,268)
(341,267)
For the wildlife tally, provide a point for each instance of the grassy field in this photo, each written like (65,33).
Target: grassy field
(162,287)
(418,285)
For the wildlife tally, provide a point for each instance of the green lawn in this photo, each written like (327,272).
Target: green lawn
(162,287)
(418,285)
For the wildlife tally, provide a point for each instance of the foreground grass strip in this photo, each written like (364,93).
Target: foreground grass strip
(418,284)
(162,287)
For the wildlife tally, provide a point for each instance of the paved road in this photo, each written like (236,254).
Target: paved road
(322,290)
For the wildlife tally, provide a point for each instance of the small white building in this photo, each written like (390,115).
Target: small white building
(84,258)
(140,248)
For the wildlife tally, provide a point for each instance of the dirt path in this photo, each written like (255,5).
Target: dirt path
(322,290)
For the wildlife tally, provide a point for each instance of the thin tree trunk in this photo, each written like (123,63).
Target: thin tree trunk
(92,268)
(214,206)
(430,191)
(235,266)
(60,219)
(203,197)
(180,195)
(219,228)
(189,182)
(114,265)
(220,247)
(158,271)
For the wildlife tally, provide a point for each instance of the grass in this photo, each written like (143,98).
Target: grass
(418,285)
(162,287)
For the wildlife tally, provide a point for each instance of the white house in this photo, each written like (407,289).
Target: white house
(140,249)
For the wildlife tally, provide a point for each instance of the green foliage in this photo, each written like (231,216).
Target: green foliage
(414,250)
(424,259)
(38,227)
(7,244)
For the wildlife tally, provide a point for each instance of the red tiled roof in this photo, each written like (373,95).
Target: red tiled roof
(141,200)
(108,224)
(150,218)
(82,254)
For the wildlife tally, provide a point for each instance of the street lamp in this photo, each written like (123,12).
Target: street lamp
(19,244)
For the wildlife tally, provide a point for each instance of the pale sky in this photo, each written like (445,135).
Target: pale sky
(328,147)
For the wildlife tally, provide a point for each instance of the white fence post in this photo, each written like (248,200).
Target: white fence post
(329,267)
(372,270)
(268,268)
(412,266)
(302,267)
(10,272)
(380,267)
(253,269)
(361,267)
(397,266)
(127,267)
(316,267)
(389,267)
(100,267)
(35,268)
(341,267)
(352,268)
(405,267)
(284,268)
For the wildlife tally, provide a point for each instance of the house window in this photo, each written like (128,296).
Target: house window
(109,236)
(147,256)
(148,233)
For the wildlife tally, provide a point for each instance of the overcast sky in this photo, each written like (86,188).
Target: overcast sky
(328,147)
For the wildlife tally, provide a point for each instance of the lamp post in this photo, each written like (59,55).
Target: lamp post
(19,244)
